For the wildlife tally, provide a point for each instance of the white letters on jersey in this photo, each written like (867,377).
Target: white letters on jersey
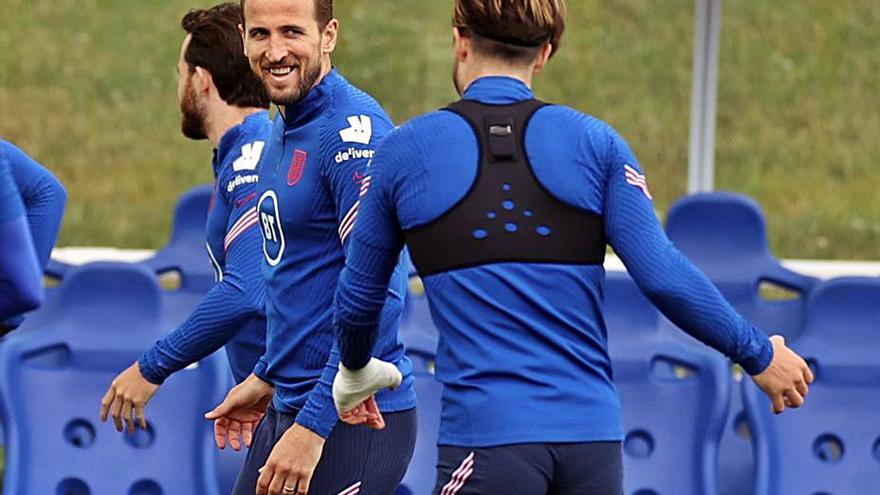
(360,132)
(273,236)
(250,156)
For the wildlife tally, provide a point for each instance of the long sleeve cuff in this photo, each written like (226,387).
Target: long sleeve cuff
(319,413)
(150,367)
(261,370)
(756,355)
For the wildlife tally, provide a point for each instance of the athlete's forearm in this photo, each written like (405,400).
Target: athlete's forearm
(360,297)
(218,317)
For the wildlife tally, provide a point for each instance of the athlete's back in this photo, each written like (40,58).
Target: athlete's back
(531,334)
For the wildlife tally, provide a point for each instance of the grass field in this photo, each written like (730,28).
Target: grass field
(88,87)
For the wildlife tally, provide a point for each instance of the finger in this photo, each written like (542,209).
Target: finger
(107,401)
(221,410)
(117,413)
(372,407)
(234,432)
(220,433)
(247,433)
(278,482)
(263,481)
(802,388)
(126,415)
(794,398)
(141,415)
(778,403)
(808,374)
(302,485)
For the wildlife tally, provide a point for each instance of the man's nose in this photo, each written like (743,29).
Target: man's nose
(277,51)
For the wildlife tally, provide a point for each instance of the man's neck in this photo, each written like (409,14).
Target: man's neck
(326,68)
(491,70)
(226,118)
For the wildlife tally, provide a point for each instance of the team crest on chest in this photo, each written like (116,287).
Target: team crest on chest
(297,166)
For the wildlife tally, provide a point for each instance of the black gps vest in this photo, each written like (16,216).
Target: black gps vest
(507,215)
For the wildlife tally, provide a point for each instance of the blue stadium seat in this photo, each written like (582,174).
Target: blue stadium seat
(674,399)
(52,381)
(832,444)
(726,236)
(185,253)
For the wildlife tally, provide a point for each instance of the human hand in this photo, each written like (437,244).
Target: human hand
(292,463)
(236,418)
(354,392)
(786,379)
(129,390)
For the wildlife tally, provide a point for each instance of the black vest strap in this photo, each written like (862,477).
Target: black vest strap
(507,216)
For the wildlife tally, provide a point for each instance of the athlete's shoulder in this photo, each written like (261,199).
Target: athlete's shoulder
(595,136)
(355,117)
(239,165)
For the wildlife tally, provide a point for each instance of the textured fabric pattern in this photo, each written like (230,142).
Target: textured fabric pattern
(232,313)
(523,347)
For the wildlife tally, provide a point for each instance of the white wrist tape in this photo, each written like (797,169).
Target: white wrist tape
(350,388)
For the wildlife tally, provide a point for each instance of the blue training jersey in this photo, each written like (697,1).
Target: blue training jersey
(43,198)
(21,286)
(523,346)
(233,311)
(311,178)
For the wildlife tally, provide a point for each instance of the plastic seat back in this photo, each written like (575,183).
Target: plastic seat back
(52,382)
(185,253)
(726,236)
(832,444)
(674,403)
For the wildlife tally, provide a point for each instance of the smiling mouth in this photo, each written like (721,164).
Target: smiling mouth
(280,73)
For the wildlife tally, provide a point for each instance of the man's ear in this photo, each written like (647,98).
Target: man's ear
(203,80)
(543,58)
(243,39)
(461,45)
(329,36)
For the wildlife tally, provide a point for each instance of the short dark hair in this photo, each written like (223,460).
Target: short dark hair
(216,46)
(323,12)
(512,30)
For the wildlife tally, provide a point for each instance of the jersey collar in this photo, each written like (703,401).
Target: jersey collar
(498,90)
(313,104)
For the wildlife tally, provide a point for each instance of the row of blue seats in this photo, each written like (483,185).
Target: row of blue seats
(96,322)
(674,391)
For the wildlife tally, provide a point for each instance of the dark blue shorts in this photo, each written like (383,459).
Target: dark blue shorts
(590,468)
(352,455)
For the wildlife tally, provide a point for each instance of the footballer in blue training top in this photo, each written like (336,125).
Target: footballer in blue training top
(311,179)
(222,101)
(43,198)
(21,286)
(506,205)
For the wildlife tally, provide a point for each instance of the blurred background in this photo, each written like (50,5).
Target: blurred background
(88,88)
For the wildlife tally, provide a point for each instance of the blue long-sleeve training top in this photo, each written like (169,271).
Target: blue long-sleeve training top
(523,348)
(311,179)
(232,313)
(44,199)
(21,286)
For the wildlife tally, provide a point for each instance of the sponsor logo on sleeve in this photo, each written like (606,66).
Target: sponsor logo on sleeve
(354,154)
(360,130)
(241,180)
(250,156)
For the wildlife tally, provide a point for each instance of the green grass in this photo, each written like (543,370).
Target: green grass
(88,87)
